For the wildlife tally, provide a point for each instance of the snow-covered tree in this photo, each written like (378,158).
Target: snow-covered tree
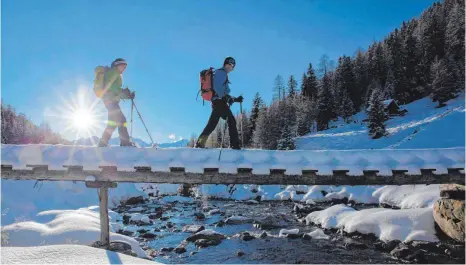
(376,115)
(286,141)
(443,84)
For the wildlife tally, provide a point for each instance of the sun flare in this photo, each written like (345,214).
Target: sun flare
(83,119)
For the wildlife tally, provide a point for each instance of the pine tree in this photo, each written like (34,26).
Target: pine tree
(257,104)
(376,115)
(279,89)
(292,86)
(261,133)
(360,77)
(454,42)
(443,84)
(192,140)
(324,99)
(303,116)
(347,110)
(286,141)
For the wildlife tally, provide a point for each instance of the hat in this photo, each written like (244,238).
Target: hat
(119,61)
(229,60)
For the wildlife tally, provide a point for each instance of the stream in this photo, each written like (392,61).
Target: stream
(167,218)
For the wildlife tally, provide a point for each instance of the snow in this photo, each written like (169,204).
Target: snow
(177,198)
(285,232)
(23,199)
(208,232)
(90,178)
(422,123)
(140,217)
(387,224)
(66,254)
(261,161)
(81,226)
(318,234)
(409,196)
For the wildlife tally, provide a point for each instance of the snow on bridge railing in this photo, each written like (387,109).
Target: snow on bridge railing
(187,165)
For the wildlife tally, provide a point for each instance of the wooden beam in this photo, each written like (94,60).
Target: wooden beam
(104,221)
(243,176)
(101,184)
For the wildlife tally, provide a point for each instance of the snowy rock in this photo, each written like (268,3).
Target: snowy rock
(214,211)
(205,234)
(193,228)
(246,236)
(251,202)
(239,253)
(202,243)
(134,200)
(136,209)
(452,191)
(148,236)
(157,215)
(286,232)
(238,220)
(310,201)
(199,216)
(263,235)
(449,215)
(386,224)
(316,234)
(140,219)
(269,222)
(180,249)
(169,249)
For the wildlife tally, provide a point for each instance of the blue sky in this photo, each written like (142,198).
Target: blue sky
(50,49)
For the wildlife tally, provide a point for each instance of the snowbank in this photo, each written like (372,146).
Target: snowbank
(387,224)
(408,196)
(23,199)
(66,254)
(80,226)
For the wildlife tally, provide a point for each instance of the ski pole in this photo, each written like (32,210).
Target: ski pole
(140,117)
(132,107)
(223,137)
(241,123)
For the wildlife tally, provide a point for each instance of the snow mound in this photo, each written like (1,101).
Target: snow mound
(66,254)
(285,232)
(318,234)
(81,226)
(387,224)
(408,196)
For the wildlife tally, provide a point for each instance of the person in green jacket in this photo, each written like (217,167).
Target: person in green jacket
(113,82)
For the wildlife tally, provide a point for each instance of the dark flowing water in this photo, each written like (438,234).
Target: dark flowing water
(271,249)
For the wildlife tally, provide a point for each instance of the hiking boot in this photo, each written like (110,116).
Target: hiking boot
(235,147)
(129,144)
(100,144)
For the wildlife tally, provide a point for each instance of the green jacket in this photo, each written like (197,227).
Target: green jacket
(114,92)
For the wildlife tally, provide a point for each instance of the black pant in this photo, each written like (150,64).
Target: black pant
(220,109)
(116,118)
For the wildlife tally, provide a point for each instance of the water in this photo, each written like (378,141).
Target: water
(272,249)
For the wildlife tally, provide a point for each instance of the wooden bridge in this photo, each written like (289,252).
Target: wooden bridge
(103,168)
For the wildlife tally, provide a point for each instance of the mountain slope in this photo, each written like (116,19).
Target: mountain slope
(424,126)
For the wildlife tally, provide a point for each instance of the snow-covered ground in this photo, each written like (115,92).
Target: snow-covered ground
(66,254)
(81,226)
(417,129)
(387,224)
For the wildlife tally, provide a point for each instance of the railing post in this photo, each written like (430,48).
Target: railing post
(104,223)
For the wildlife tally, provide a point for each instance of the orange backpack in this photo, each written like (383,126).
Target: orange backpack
(206,79)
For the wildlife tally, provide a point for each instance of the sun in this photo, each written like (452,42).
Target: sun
(83,119)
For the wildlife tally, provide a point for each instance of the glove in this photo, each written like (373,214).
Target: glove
(239,99)
(230,100)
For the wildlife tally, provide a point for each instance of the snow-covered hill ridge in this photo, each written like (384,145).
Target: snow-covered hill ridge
(423,126)
(260,161)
